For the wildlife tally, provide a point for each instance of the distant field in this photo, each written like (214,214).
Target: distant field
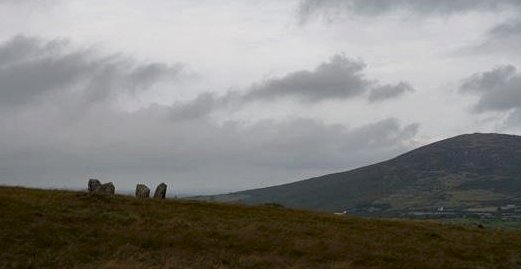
(58,229)
(488,223)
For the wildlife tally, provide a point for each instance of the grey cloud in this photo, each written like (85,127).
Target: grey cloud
(338,78)
(22,48)
(31,69)
(41,146)
(503,38)
(512,120)
(389,91)
(493,80)
(498,89)
(202,105)
(332,9)
(199,154)
(507,29)
(35,2)
(321,145)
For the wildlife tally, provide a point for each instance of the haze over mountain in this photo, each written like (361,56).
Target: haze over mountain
(471,170)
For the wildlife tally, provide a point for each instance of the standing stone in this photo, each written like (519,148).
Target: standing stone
(107,189)
(142,191)
(94,185)
(160,191)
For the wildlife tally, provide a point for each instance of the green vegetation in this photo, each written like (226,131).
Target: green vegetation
(488,223)
(58,229)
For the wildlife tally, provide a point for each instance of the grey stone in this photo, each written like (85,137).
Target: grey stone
(142,191)
(94,185)
(160,191)
(107,189)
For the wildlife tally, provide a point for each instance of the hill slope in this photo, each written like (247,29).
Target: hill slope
(54,229)
(475,170)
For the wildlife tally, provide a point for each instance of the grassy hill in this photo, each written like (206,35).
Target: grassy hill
(467,171)
(57,229)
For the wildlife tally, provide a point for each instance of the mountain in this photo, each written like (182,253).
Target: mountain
(480,172)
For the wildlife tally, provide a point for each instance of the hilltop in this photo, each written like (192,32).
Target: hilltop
(57,229)
(466,173)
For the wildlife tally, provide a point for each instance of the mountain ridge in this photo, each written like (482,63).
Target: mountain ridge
(470,170)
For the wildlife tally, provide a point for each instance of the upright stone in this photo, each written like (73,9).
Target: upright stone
(142,191)
(160,191)
(94,185)
(107,189)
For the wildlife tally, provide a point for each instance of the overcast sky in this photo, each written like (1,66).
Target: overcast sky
(215,96)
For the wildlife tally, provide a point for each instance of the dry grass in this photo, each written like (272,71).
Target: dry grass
(55,229)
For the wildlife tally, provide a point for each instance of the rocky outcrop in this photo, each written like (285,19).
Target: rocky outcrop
(160,191)
(94,185)
(107,189)
(142,191)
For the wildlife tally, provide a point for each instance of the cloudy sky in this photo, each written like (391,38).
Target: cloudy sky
(215,96)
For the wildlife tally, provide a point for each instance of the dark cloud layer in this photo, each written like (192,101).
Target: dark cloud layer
(339,78)
(334,8)
(499,90)
(45,82)
(132,147)
(503,38)
(385,92)
(31,68)
(506,30)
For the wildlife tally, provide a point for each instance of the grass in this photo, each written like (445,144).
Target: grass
(58,229)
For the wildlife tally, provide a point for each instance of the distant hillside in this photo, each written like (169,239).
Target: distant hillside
(467,172)
(56,229)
